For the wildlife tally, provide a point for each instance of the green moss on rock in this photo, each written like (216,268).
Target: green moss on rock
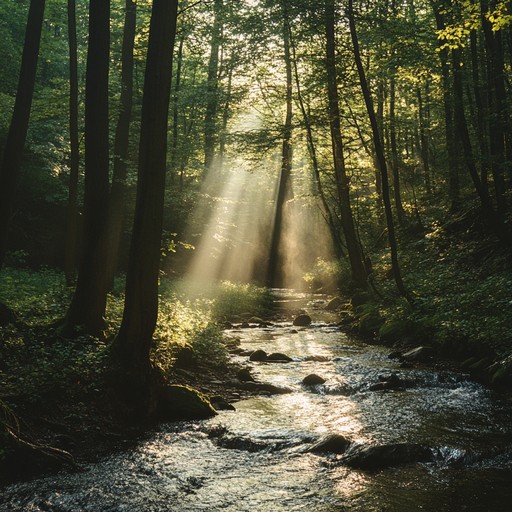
(177,402)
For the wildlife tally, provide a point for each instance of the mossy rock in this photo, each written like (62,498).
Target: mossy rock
(370,323)
(177,402)
(480,364)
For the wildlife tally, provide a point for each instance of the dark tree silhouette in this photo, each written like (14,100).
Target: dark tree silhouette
(133,342)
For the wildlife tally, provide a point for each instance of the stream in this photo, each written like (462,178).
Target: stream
(256,458)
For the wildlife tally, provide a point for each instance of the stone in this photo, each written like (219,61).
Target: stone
(277,357)
(244,375)
(177,402)
(331,443)
(302,320)
(228,325)
(312,380)
(220,404)
(258,355)
(384,456)
(334,304)
(419,354)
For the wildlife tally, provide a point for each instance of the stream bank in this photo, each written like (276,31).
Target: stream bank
(443,441)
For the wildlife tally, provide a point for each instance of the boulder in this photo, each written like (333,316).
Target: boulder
(302,320)
(334,304)
(277,357)
(258,355)
(228,325)
(312,380)
(244,375)
(331,443)
(178,402)
(220,404)
(419,354)
(384,456)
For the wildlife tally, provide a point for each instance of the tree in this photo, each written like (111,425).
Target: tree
(117,205)
(87,308)
(74,157)
(13,153)
(379,150)
(133,342)
(358,270)
(284,191)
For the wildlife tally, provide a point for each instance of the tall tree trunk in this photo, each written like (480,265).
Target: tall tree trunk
(357,267)
(400,213)
(133,342)
(121,143)
(212,88)
(326,210)
(87,308)
(450,136)
(479,113)
(71,248)
(424,149)
(497,105)
(284,192)
(175,108)
(13,152)
(379,150)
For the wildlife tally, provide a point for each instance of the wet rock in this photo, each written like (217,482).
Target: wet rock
(319,359)
(278,357)
(331,443)
(220,404)
(392,381)
(185,358)
(419,354)
(384,456)
(258,355)
(334,304)
(178,402)
(228,325)
(244,325)
(302,320)
(256,320)
(244,375)
(312,380)
(293,331)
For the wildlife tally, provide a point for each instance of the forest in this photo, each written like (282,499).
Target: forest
(186,187)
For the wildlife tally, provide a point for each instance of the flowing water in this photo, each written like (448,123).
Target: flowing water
(256,459)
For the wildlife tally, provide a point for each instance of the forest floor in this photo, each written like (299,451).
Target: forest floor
(53,396)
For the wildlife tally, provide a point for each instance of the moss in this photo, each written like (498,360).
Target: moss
(177,402)
(396,329)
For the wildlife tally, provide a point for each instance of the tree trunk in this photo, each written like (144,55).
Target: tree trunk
(497,105)
(71,248)
(400,213)
(133,342)
(450,136)
(379,150)
(212,99)
(357,267)
(424,142)
(175,108)
(275,270)
(87,308)
(13,152)
(326,210)
(121,143)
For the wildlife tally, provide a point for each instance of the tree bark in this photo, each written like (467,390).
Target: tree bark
(121,143)
(357,267)
(13,152)
(133,342)
(87,308)
(275,270)
(379,150)
(212,99)
(71,248)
